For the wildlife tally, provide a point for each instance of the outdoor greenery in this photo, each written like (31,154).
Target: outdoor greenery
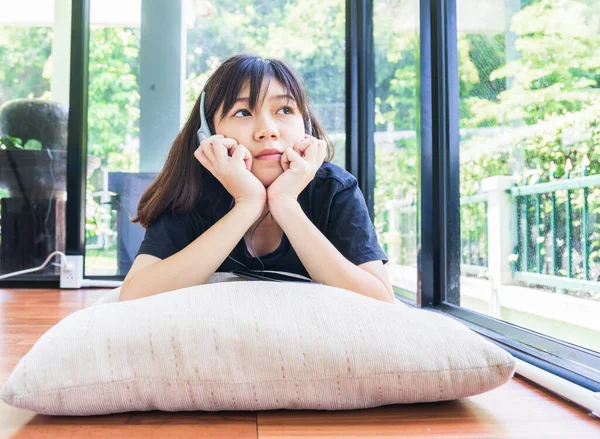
(527,107)
(528,114)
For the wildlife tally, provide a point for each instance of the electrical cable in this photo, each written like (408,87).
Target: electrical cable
(251,247)
(84,282)
(50,200)
(30,270)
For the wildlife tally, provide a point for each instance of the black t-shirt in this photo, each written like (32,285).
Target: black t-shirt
(332,201)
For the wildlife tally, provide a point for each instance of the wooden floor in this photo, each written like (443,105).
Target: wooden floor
(518,409)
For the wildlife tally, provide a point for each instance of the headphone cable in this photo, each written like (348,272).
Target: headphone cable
(251,247)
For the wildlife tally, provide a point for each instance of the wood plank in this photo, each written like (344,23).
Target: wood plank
(154,424)
(517,410)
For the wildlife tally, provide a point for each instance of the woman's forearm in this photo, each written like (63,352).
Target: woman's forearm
(319,256)
(198,261)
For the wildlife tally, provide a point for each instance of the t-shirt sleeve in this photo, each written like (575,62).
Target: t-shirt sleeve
(167,235)
(350,228)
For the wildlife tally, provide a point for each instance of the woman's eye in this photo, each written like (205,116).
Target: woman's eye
(290,110)
(240,111)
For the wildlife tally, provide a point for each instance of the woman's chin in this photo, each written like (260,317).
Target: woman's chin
(268,177)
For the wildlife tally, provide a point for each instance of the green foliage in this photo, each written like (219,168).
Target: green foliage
(396,174)
(24,62)
(542,150)
(98,220)
(9,142)
(278,29)
(557,67)
(396,81)
(113,113)
(478,56)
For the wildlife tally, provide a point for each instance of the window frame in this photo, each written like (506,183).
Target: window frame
(439,264)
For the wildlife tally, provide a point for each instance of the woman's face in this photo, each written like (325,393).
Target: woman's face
(276,123)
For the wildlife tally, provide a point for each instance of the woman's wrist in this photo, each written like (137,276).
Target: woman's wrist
(283,205)
(250,207)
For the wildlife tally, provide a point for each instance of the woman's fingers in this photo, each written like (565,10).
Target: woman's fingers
(222,148)
(311,152)
(285,161)
(238,153)
(217,149)
(302,146)
(309,149)
(296,163)
(208,152)
(318,153)
(230,145)
(241,153)
(248,159)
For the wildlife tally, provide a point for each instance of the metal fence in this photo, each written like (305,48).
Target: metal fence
(474,234)
(557,243)
(557,233)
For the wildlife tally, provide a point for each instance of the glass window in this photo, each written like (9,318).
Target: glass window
(35,38)
(113,189)
(529,149)
(397,150)
(148,63)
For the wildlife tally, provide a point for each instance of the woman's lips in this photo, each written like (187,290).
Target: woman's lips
(269,157)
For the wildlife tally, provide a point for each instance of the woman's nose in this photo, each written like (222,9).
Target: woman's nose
(266,129)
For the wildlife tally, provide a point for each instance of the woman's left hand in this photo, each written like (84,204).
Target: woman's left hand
(300,165)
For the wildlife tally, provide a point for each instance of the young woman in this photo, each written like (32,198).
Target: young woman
(248,185)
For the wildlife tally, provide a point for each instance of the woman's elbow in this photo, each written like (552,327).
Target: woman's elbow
(126,291)
(387,298)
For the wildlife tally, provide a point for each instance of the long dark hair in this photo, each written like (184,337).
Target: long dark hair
(178,186)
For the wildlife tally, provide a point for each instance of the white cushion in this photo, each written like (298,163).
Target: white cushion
(251,345)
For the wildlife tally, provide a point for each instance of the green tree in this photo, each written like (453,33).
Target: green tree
(113,113)
(24,62)
(278,29)
(558,68)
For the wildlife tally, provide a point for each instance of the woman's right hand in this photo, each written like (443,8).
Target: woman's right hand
(232,169)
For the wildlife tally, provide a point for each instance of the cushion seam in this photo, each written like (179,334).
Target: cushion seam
(417,372)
